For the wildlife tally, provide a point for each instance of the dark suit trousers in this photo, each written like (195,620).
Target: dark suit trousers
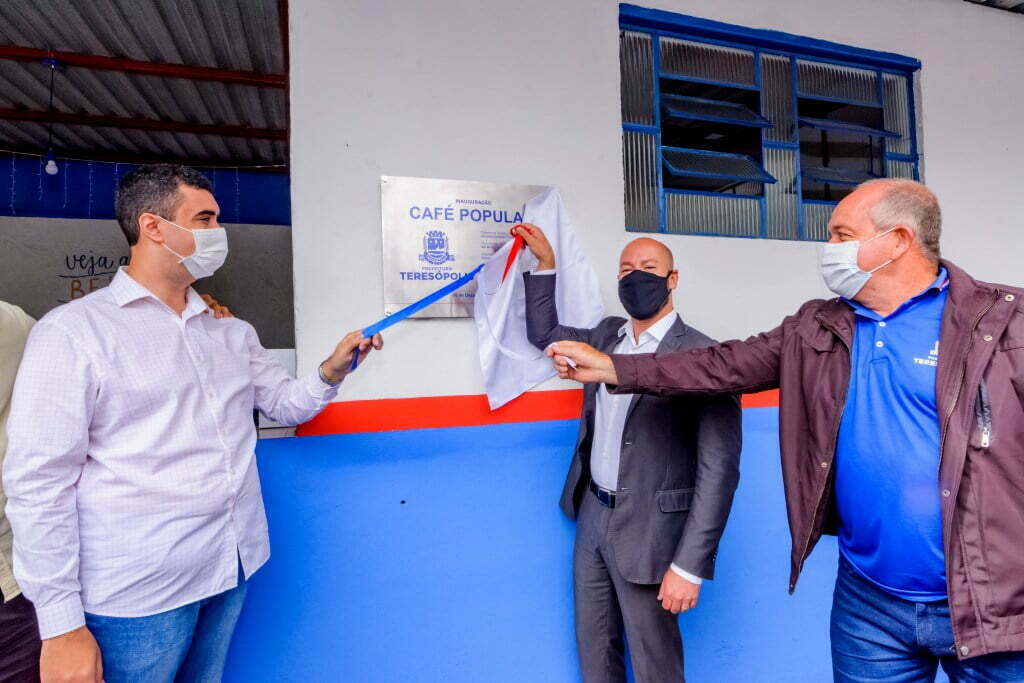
(19,642)
(607,604)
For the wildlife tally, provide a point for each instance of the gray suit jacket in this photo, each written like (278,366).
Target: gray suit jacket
(679,465)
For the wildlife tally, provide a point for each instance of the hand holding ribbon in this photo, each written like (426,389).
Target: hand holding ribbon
(342,360)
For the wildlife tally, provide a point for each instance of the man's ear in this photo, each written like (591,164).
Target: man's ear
(673,279)
(907,239)
(149,226)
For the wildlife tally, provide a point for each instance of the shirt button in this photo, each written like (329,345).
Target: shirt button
(965,650)
(1009,297)
(987,337)
(881,323)
(945,492)
(879,343)
(824,465)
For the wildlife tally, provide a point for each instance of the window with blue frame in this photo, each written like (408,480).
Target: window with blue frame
(751,133)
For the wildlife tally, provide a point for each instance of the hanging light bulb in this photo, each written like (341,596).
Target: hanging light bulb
(51,167)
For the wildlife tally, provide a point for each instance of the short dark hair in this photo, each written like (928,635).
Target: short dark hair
(153,189)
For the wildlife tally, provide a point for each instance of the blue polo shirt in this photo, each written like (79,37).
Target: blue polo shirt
(887,454)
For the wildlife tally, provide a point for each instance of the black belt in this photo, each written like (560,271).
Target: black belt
(604,496)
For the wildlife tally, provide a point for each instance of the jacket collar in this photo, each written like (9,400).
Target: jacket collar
(967,298)
(659,330)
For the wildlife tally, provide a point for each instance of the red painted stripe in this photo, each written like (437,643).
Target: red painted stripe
(394,414)
(764,399)
(391,414)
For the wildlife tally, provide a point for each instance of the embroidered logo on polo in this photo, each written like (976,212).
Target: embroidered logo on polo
(932,359)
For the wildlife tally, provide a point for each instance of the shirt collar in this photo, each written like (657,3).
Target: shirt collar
(939,284)
(658,330)
(126,289)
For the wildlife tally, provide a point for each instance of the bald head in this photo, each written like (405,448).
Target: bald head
(647,254)
(890,202)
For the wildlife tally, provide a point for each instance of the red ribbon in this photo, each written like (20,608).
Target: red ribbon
(517,245)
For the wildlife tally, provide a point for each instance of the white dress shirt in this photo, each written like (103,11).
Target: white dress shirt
(612,410)
(130,472)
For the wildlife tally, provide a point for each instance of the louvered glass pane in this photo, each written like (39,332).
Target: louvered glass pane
(705,214)
(777,97)
(839,176)
(900,169)
(816,220)
(780,197)
(838,82)
(846,127)
(640,166)
(897,113)
(697,108)
(708,62)
(637,82)
(700,163)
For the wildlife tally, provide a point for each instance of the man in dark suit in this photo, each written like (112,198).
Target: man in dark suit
(651,480)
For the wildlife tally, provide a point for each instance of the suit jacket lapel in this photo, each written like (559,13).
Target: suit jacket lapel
(606,344)
(670,342)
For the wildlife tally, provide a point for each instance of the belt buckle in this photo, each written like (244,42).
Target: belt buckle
(605,497)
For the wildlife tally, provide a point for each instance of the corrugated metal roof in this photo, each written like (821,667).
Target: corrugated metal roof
(228,34)
(1009,5)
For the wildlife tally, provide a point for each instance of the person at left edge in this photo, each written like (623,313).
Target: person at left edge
(130,473)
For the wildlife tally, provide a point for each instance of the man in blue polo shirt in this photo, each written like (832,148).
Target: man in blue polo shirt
(887,455)
(901,429)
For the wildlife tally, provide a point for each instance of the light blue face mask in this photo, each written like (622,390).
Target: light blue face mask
(210,253)
(840,269)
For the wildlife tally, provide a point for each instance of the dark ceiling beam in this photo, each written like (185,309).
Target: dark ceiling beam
(95,121)
(197,73)
(64,153)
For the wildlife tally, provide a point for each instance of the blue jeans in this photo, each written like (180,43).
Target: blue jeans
(877,636)
(188,644)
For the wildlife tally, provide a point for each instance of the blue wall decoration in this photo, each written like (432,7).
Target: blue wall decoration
(86,189)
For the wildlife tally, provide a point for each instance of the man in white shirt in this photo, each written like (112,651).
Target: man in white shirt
(651,480)
(130,473)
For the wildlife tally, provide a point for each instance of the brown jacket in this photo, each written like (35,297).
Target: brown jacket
(980,396)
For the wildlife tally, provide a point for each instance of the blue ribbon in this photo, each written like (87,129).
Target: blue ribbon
(399,316)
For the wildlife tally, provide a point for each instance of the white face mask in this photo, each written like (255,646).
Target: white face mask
(840,269)
(210,254)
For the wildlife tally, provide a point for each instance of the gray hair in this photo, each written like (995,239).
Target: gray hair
(153,189)
(909,203)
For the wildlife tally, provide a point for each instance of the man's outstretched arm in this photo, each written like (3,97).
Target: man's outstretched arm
(733,367)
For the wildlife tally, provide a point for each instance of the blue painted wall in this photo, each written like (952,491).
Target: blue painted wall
(469,578)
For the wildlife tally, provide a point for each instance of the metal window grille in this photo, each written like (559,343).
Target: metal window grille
(735,132)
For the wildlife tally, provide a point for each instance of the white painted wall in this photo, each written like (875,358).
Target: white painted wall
(528,92)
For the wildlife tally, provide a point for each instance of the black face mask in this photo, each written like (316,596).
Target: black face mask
(643,294)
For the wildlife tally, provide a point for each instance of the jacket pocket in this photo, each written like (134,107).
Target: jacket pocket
(983,416)
(674,500)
